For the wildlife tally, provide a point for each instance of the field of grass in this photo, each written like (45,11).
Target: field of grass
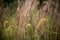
(38,25)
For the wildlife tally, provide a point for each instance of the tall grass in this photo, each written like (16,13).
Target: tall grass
(39,26)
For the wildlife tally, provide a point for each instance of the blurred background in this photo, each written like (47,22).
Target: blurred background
(29,19)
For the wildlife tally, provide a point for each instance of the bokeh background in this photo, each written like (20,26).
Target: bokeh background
(29,19)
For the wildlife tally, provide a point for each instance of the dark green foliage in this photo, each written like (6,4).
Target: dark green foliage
(7,11)
(6,2)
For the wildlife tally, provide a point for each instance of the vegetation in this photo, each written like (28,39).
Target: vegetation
(29,20)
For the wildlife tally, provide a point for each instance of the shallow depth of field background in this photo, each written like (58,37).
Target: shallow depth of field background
(38,21)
